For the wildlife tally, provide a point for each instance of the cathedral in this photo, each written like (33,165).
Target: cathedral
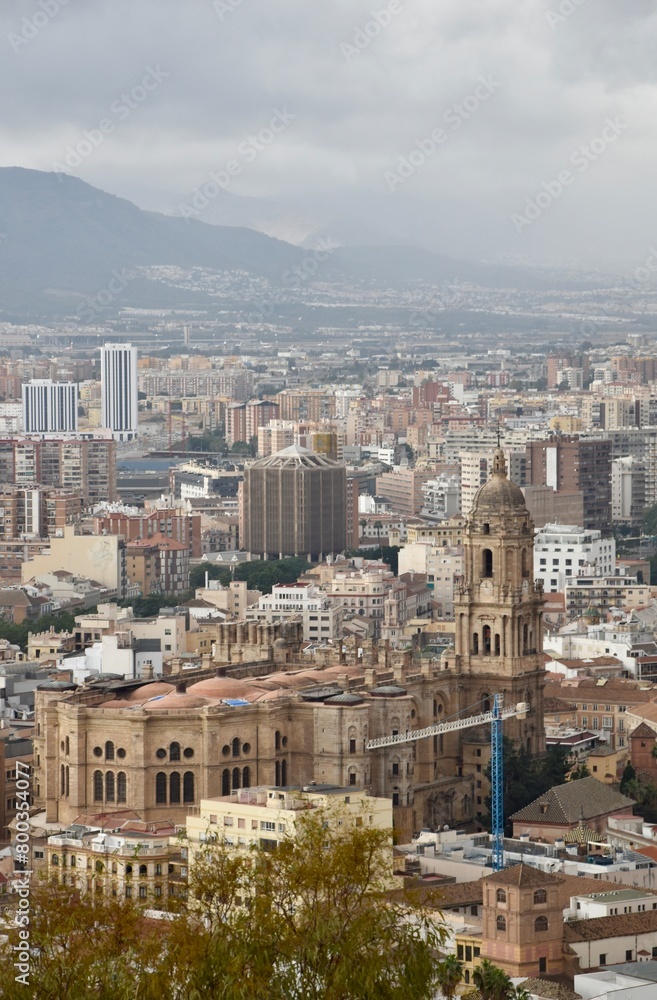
(263,712)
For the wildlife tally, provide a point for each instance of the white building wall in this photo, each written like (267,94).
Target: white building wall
(49,407)
(565,550)
(118,376)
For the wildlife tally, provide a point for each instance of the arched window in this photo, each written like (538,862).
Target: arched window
(143,870)
(73,861)
(501,896)
(486,639)
(174,751)
(486,563)
(500,923)
(68,746)
(67,781)
(62,779)
(188,786)
(236,778)
(525,636)
(283,772)
(236,747)
(541,924)
(174,787)
(98,786)
(225,782)
(54,859)
(278,772)
(475,642)
(109,750)
(497,644)
(160,787)
(246,777)
(485,529)
(540,896)
(485,707)
(277,740)
(121,787)
(525,564)
(109,786)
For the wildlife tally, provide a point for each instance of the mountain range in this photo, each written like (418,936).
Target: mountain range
(62,240)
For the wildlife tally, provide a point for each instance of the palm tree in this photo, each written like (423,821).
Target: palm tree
(450,973)
(363,525)
(378,525)
(492,982)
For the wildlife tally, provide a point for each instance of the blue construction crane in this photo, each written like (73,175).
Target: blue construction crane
(495,718)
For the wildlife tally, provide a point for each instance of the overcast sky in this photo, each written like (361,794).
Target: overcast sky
(511,90)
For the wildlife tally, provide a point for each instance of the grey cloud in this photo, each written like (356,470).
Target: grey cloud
(354,116)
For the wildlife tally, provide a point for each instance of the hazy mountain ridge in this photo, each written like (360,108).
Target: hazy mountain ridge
(63,240)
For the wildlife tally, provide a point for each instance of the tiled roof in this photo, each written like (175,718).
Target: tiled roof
(582,835)
(621,925)
(548,991)
(557,705)
(444,897)
(523,876)
(644,732)
(602,751)
(573,801)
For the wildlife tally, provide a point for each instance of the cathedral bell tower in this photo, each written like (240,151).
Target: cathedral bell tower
(498,609)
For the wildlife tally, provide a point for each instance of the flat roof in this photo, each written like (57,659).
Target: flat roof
(618,894)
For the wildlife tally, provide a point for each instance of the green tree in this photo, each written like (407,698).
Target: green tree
(449,975)
(492,982)
(197,574)
(579,770)
(18,634)
(650,520)
(526,778)
(311,920)
(629,775)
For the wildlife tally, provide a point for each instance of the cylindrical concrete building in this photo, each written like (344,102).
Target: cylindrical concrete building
(294,504)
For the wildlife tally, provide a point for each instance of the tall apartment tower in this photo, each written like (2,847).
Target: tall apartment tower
(294,504)
(575,463)
(118,377)
(50,407)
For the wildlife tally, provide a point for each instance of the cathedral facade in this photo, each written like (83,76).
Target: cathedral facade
(272,716)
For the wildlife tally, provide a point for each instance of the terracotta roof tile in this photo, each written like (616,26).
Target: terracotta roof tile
(621,925)
(573,801)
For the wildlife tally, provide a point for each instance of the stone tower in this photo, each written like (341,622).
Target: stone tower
(498,608)
(523,921)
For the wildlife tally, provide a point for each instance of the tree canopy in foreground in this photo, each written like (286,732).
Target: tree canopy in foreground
(312,919)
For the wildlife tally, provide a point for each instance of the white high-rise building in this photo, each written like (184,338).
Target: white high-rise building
(50,407)
(562,551)
(118,377)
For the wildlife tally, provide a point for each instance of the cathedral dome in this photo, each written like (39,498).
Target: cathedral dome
(500,493)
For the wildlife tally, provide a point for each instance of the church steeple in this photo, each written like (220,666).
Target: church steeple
(498,608)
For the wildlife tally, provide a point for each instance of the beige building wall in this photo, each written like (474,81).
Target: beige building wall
(99,558)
